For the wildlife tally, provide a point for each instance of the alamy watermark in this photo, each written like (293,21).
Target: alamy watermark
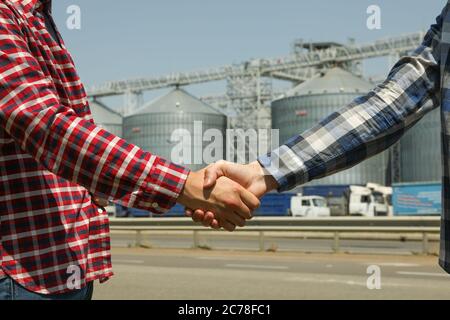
(74,280)
(207,146)
(374,279)
(374,18)
(73,21)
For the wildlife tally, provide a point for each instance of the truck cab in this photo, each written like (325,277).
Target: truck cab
(382,198)
(369,201)
(360,201)
(309,207)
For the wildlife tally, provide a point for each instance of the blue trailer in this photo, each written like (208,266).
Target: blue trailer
(124,212)
(417,199)
(326,191)
(273,204)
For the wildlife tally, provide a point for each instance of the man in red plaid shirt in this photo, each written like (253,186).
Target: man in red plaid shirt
(54,238)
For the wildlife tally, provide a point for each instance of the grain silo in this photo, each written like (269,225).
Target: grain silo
(106,118)
(420,150)
(312,101)
(177,127)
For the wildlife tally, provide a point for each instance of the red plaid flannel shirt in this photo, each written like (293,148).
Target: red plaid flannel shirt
(53,157)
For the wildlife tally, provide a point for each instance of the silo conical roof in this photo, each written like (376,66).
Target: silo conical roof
(178,101)
(335,80)
(103,114)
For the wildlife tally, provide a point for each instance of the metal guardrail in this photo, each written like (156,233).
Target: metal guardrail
(336,225)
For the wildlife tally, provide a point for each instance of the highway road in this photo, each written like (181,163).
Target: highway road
(183,274)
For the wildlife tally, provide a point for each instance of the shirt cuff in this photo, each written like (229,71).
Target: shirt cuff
(162,187)
(285,167)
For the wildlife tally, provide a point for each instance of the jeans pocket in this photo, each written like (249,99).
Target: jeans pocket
(6,289)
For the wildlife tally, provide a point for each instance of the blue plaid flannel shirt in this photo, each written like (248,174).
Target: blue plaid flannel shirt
(416,85)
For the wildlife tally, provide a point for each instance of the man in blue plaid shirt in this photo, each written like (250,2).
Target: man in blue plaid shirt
(417,84)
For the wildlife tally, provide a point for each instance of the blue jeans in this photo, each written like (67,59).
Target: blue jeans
(10,290)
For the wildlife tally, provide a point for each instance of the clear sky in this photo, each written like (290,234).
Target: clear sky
(139,38)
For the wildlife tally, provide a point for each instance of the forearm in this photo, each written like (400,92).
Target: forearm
(79,151)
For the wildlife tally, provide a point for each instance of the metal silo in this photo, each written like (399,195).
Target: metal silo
(420,151)
(106,118)
(173,122)
(312,101)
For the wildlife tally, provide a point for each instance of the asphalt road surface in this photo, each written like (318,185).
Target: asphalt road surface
(198,274)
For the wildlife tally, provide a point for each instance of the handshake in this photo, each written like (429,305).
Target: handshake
(225,194)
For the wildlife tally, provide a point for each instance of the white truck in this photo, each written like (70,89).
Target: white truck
(370,201)
(383,199)
(309,207)
(360,201)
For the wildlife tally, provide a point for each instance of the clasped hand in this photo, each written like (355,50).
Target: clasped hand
(225,194)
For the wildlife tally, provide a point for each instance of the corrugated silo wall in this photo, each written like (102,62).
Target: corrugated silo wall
(421,151)
(295,115)
(153,131)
